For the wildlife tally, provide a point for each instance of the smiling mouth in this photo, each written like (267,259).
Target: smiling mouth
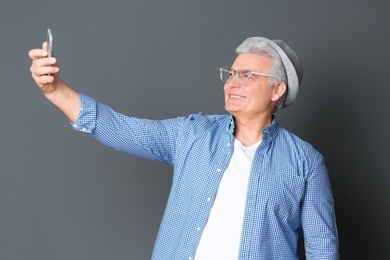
(236,96)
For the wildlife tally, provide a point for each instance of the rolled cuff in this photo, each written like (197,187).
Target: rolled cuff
(86,122)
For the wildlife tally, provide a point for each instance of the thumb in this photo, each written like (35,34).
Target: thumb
(44,46)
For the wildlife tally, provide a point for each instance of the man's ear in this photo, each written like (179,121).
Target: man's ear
(278,91)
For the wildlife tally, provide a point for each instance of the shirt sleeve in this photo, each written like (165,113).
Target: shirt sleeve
(318,216)
(150,139)
(86,121)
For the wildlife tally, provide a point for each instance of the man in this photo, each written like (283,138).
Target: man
(243,187)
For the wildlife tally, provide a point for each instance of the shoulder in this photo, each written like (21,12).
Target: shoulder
(288,153)
(295,141)
(200,119)
(200,123)
(303,151)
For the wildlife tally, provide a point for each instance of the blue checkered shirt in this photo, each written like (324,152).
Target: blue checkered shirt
(289,191)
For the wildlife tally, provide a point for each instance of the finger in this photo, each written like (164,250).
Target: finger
(38,71)
(37,54)
(44,62)
(44,80)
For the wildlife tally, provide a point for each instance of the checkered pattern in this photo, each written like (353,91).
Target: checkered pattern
(288,193)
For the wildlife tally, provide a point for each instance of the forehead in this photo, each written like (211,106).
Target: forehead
(250,61)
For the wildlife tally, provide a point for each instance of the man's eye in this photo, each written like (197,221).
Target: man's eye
(248,75)
(241,75)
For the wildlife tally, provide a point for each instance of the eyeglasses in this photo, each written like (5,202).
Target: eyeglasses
(242,76)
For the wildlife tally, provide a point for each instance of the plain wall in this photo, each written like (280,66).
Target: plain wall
(65,196)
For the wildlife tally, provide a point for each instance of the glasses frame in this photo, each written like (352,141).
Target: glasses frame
(241,72)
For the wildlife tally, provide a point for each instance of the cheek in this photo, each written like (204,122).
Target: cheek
(225,90)
(257,97)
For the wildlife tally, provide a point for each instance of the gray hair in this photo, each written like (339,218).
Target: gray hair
(256,46)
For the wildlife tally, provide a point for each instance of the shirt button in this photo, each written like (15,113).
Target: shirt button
(198,229)
(219,170)
(228,144)
(208,199)
(190,258)
(84,129)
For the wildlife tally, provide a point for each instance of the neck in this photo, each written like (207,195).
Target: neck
(249,130)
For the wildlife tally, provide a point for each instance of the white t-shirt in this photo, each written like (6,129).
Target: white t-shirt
(222,234)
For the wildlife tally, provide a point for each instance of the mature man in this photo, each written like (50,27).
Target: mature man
(243,187)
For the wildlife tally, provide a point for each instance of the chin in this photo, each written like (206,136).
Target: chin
(230,110)
(227,108)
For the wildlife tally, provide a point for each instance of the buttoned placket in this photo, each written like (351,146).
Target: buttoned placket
(251,196)
(219,170)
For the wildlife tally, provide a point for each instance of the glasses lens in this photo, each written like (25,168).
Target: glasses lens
(225,74)
(243,76)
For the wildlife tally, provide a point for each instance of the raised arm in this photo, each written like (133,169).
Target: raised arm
(45,72)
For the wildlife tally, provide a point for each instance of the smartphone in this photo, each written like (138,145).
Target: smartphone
(50,43)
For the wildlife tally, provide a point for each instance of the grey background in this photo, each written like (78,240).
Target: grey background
(65,196)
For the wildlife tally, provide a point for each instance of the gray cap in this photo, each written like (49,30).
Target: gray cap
(292,65)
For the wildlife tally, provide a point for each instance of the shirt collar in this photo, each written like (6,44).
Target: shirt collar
(268,133)
(231,125)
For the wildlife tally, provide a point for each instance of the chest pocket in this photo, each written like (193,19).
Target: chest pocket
(280,195)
